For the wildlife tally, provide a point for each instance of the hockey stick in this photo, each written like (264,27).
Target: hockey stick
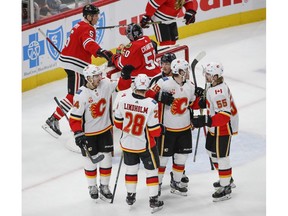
(193,66)
(48,39)
(93,160)
(116,181)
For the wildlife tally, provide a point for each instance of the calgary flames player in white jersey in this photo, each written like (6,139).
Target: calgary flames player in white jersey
(177,141)
(137,117)
(90,121)
(222,121)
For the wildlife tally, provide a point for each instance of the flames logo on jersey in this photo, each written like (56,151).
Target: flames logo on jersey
(177,106)
(97,109)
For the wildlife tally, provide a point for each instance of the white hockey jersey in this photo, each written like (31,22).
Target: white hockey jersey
(220,102)
(137,117)
(91,108)
(177,116)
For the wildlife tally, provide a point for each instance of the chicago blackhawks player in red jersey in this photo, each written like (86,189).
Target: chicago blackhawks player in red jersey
(91,123)
(137,117)
(77,53)
(165,10)
(222,121)
(177,141)
(140,53)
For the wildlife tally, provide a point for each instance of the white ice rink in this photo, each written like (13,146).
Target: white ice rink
(53,182)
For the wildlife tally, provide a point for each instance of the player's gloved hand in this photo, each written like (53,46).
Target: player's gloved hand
(189,16)
(80,139)
(202,103)
(126,72)
(107,54)
(144,21)
(199,91)
(165,98)
(201,121)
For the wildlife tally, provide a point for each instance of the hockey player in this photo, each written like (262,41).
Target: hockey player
(79,48)
(137,117)
(91,123)
(222,121)
(140,48)
(177,141)
(166,10)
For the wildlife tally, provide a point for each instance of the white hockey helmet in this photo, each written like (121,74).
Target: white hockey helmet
(91,70)
(179,64)
(214,68)
(141,82)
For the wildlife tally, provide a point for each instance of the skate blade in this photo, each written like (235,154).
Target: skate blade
(226,197)
(156,209)
(173,191)
(231,185)
(50,131)
(105,199)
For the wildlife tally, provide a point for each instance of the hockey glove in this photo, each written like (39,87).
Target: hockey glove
(165,98)
(189,17)
(126,72)
(144,21)
(199,92)
(201,121)
(80,139)
(202,103)
(104,54)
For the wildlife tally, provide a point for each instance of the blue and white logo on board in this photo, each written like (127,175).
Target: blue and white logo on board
(101,23)
(56,36)
(33,50)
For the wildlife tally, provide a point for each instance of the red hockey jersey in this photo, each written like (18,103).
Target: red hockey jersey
(167,9)
(79,47)
(141,54)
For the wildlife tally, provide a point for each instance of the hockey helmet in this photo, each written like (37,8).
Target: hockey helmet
(214,68)
(141,82)
(134,31)
(179,64)
(168,57)
(91,70)
(90,9)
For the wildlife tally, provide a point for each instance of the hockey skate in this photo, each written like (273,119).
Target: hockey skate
(52,127)
(105,193)
(177,187)
(223,193)
(184,180)
(93,191)
(155,204)
(217,185)
(131,198)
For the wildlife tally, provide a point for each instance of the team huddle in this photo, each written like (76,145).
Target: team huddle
(154,113)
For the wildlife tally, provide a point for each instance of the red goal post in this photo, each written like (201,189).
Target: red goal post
(181,51)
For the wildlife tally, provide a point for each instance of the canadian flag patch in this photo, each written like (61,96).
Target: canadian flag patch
(218,91)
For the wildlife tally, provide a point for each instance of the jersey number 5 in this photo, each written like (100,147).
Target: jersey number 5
(135,125)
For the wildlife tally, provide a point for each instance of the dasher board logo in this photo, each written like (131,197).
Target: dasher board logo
(56,36)
(101,23)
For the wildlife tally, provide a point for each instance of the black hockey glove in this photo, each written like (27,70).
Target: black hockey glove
(189,17)
(144,21)
(201,121)
(80,139)
(165,98)
(202,103)
(107,54)
(126,72)
(199,92)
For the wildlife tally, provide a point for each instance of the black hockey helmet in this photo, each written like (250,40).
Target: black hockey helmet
(134,31)
(90,9)
(168,57)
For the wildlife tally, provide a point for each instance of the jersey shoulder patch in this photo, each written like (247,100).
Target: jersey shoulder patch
(154,101)
(127,46)
(165,78)
(79,91)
